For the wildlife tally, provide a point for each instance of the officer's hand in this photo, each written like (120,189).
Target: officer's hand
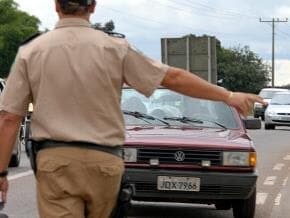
(244,102)
(4,188)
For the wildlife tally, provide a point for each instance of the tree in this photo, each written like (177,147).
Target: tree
(109,26)
(240,69)
(285,86)
(15,27)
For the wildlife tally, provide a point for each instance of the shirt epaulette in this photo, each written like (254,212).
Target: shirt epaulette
(115,34)
(111,33)
(31,38)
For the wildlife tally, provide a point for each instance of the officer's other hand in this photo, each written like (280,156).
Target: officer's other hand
(244,102)
(3,189)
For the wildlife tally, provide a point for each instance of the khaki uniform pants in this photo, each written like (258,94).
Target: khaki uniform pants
(77,183)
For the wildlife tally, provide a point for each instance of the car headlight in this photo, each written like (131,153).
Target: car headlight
(30,107)
(239,159)
(130,155)
(271,113)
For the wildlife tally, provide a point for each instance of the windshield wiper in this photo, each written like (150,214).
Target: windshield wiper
(193,120)
(144,116)
(184,119)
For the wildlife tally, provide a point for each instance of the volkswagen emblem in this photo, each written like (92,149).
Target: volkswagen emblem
(179,156)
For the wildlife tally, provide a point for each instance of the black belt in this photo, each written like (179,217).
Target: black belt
(116,150)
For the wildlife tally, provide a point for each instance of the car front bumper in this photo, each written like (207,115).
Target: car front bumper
(214,186)
(277,120)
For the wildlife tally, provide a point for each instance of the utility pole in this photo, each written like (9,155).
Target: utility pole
(273,21)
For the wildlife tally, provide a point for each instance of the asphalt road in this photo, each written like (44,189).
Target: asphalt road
(273,193)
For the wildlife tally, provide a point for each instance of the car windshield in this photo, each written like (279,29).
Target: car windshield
(281,99)
(175,109)
(268,94)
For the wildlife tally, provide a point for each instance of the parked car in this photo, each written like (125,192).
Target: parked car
(182,149)
(278,111)
(267,94)
(16,154)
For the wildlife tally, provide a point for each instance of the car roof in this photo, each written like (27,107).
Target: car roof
(274,89)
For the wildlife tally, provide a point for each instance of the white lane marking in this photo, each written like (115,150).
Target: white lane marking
(287,157)
(270,180)
(277,199)
(20,175)
(261,198)
(278,166)
(285,181)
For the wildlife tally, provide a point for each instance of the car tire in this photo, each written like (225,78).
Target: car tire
(224,205)
(269,126)
(245,208)
(15,158)
(263,117)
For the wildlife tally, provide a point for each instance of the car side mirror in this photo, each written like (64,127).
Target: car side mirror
(252,123)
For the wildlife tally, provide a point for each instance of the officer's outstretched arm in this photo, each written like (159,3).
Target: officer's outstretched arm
(189,84)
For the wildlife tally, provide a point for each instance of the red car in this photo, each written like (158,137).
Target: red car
(182,149)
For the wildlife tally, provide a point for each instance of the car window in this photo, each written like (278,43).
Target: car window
(168,104)
(268,94)
(281,99)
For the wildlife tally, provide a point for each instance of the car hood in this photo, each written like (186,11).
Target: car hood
(278,108)
(188,137)
(268,100)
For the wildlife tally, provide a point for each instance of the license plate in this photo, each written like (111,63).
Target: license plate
(171,183)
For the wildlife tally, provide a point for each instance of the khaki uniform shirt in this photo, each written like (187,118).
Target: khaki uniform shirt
(74,75)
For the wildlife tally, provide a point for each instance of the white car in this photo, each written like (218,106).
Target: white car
(278,111)
(16,154)
(267,94)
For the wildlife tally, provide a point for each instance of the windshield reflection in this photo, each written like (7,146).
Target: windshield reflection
(164,104)
(281,99)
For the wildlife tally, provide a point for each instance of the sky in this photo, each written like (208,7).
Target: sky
(234,22)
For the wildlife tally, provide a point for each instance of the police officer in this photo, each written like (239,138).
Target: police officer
(73,75)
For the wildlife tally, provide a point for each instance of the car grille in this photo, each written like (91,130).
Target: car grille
(282,121)
(168,156)
(284,114)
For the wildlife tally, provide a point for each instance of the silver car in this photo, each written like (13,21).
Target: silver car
(15,158)
(278,111)
(267,94)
